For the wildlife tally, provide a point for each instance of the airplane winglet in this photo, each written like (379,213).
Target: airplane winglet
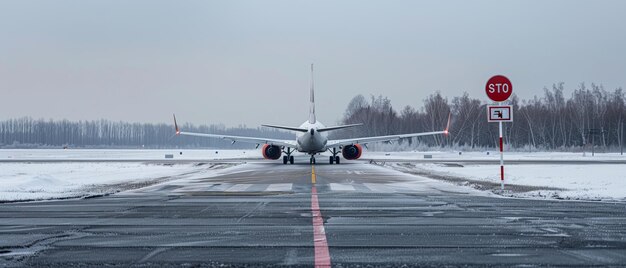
(446,131)
(176,126)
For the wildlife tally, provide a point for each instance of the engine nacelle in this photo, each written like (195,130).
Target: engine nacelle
(352,152)
(271,151)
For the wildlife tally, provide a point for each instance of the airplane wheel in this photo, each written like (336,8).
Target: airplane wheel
(313,160)
(285,159)
(291,159)
(337,159)
(331,159)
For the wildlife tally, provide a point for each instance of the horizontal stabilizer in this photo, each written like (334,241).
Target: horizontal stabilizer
(297,129)
(338,127)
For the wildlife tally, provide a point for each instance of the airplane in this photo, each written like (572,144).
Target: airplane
(311,138)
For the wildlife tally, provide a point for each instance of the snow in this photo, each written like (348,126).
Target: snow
(43,180)
(219,154)
(565,181)
(99,154)
(492,155)
(585,177)
(39,181)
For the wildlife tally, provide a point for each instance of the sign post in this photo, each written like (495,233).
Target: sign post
(499,89)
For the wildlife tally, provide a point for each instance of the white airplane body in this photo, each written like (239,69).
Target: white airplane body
(311,138)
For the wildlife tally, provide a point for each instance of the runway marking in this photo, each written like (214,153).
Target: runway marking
(379,187)
(322,256)
(279,187)
(213,187)
(238,188)
(341,187)
(313,177)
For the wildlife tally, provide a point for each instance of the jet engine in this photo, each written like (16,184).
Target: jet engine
(352,152)
(271,151)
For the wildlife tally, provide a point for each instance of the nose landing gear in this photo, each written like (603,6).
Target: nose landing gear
(312,160)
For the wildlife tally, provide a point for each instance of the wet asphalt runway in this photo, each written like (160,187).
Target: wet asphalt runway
(260,214)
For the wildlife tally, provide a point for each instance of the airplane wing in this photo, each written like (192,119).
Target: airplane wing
(257,140)
(365,140)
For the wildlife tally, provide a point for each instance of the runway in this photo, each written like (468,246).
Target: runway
(353,214)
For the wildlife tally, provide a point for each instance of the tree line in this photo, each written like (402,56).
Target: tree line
(553,121)
(29,133)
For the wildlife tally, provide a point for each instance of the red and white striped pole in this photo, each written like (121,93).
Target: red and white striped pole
(501,157)
(499,89)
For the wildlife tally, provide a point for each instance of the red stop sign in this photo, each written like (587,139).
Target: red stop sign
(499,88)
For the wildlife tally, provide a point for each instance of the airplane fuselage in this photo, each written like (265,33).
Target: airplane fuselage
(312,141)
(311,138)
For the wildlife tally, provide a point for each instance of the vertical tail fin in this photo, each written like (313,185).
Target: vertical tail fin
(312,100)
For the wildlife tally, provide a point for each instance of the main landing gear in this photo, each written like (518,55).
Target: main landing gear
(334,158)
(288,157)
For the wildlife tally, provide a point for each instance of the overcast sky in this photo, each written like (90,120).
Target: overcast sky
(247,62)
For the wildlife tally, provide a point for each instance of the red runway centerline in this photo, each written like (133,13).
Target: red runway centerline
(322,256)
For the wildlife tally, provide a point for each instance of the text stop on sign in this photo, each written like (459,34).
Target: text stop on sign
(499,88)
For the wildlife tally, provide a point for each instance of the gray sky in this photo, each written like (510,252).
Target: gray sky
(246,62)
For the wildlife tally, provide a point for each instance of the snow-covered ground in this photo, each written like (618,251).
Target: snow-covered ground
(587,181)
(563,181)
(39,181)
(34,181)
(493,155)
(217,154)
(103,154)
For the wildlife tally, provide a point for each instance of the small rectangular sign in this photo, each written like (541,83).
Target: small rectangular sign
(499,113)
